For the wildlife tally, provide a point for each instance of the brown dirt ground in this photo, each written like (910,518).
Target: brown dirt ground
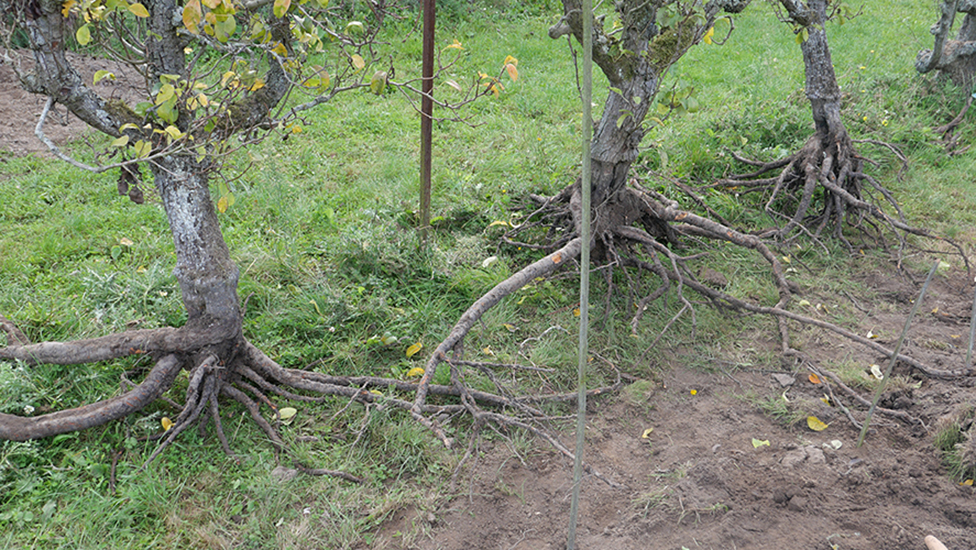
(20,110)
(697,482)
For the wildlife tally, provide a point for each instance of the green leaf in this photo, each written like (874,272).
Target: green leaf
(143,148)
(355,27)
(377,84)
(281,7)
(83,35)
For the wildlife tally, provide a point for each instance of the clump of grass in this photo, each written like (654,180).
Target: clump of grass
(955,437)
(786,413)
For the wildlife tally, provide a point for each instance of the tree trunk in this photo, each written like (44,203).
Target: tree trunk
(821,82)
(207,276)
(953,59)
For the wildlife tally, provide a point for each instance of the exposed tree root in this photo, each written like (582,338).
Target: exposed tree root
(251,378)
(635,227)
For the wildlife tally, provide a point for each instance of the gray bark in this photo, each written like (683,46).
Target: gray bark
(953,58)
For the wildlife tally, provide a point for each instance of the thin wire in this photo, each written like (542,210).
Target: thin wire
(585,191)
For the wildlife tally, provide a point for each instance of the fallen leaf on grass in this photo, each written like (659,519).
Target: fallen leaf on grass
(287,413)
(759,442)
(647,433)
(416,371)
(412,350)
(167,423)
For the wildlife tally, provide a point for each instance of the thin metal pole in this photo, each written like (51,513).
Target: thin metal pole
(426,116)
(584,318)
(894,355)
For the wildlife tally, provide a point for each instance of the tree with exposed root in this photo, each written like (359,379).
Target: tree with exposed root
(637,230)
(823,187)
(953,60)
(217,73)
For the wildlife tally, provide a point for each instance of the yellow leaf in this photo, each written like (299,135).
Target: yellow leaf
(66,7)
(510,327)
(192,15)
(499,222)
(708,36)
(102,74)
(456,45)
(229,76)
(576,312)
(759,442)
(647,433)
(510,60)
(120,141)
(167,423)
(694,392)
(376,392)
(258,84)
(287,412)
(816,424)
(280,50)
(412,350)
(173,132)
(83,35)
(488,351)
(125,241)
(416,371)
(222,204)
(967,483)
(138,10)
(143,148)
(512,72)
(358,62)
(813,378)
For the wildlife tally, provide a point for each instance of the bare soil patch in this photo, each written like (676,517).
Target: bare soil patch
(697,481)
(20,110)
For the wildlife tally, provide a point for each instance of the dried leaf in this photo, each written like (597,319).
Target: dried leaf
(647,433)
(816,424)
(876,371)
(813,378)
(414,372)
(412,350)
(138,10)
(358,62)
(759,442)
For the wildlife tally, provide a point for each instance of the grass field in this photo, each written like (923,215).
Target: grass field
(322,232)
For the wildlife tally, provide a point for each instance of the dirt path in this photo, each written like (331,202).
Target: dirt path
(697,481)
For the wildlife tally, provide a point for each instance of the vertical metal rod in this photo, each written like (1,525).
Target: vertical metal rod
(426,116)
(972,334)
(586,181)
(894,355)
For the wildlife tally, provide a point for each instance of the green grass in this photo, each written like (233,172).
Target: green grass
(322,232)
